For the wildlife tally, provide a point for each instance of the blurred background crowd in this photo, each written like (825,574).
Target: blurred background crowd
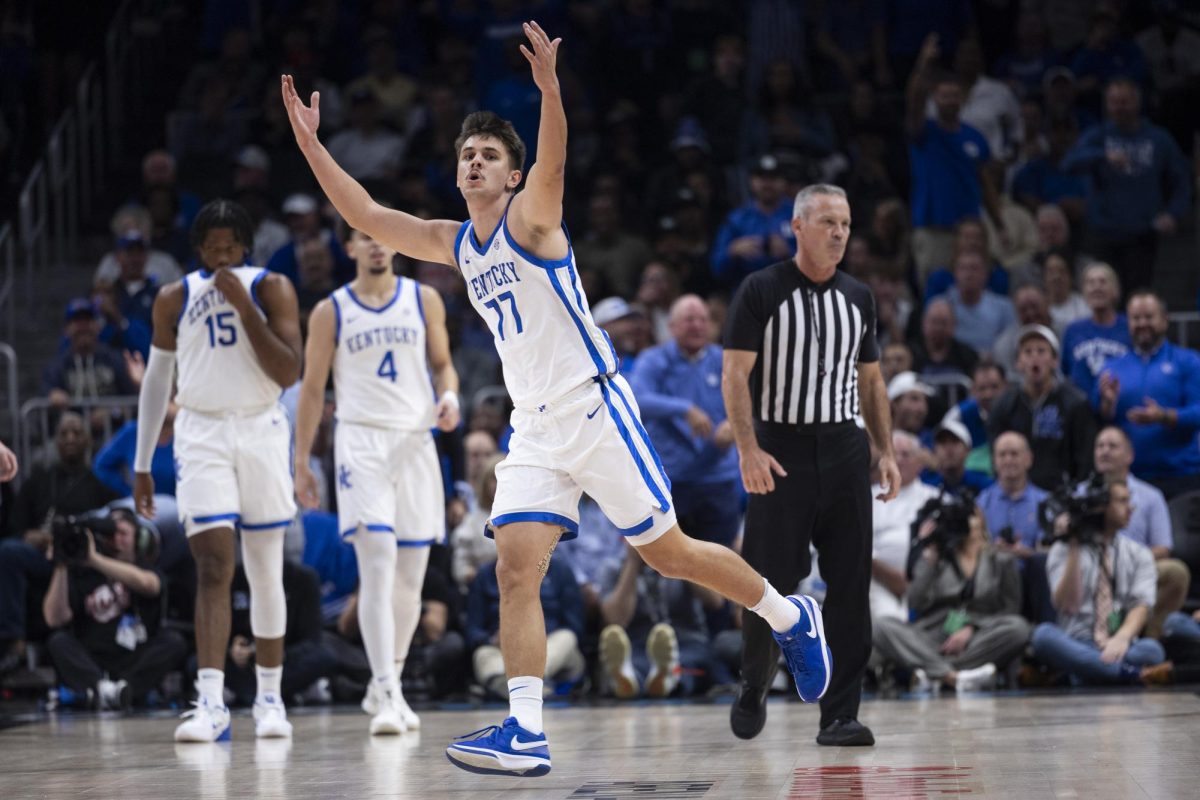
(1020,174)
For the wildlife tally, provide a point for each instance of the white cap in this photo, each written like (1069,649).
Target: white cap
(955,428)
(299,204)
(1042,331)
(905,382)
(611,309)
(253,157)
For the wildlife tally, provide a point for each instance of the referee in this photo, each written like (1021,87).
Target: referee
(800,351)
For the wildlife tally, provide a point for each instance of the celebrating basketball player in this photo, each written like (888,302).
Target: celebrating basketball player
(234,332)
(576,425)
(383,336)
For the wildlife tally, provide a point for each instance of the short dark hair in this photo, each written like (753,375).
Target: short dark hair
(223,213)
(1150,293)
(987,363)
(487,123)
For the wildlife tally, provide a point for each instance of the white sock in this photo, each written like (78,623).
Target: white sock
(778,612)
(525,702)
(268,683)
(406,599)
(387,683)
(210,684)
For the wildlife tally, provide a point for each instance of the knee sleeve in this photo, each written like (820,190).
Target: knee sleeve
(376,553)
(262,558)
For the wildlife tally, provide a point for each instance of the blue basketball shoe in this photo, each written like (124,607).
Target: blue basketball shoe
(807,653)
(504,749)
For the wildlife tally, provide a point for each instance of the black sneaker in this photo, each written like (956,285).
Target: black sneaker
(749,711)
(846,733)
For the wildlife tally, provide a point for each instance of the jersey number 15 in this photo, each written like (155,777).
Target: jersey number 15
(220,329)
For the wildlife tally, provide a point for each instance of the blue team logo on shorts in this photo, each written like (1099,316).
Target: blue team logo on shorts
(344,477)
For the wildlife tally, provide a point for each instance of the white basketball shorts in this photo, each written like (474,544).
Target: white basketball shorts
(389,482)
(591,440)
(234,470)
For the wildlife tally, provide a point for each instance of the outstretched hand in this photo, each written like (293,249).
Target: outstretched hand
(542,55)
(304,119)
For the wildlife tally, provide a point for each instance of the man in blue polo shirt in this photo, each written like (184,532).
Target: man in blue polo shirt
(678,386)
(1010,504)
(1153,394)
(760,232)
(948,160)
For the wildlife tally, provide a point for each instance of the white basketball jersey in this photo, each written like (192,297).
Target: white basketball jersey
(380,367)
(218,370)
(539,317)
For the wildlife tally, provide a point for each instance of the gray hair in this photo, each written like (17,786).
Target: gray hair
(1107,270)
(805,197)
(906,437)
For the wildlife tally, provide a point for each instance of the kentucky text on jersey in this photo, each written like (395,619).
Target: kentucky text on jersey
(213,297)
(384,336)
(498,275)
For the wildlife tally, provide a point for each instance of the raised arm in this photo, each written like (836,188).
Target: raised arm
(918,87)
(535,218)
(425,240)
(318,358)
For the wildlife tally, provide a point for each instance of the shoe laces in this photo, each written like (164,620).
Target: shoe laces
(490,730)
(198,707)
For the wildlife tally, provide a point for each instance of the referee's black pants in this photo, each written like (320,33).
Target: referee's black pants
(825,500)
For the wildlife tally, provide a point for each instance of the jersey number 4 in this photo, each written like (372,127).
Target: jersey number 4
(220,329)
(387,367)
(494,304)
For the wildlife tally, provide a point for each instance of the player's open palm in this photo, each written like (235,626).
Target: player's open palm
(542,55)
(304,119)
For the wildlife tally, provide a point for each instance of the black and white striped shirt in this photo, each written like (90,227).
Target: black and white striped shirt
(810,339)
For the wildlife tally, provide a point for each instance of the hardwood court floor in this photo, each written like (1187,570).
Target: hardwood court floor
(1098,746)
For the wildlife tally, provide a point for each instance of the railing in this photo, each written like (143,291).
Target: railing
(8,283)
(1182,320)
(35,417)
(10,403)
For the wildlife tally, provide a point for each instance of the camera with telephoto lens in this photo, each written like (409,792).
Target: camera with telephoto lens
(71,536)
(1084,507)
(951,513)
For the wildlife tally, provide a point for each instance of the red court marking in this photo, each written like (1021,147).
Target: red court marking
(893,783)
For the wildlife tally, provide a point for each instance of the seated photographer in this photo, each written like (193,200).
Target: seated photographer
(114,651)
(1103,586)
(66,487)
(1149,525)
(892,523)
(965,596)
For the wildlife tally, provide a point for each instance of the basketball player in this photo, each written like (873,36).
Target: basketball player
(235,334)
(383,336)
(576,425)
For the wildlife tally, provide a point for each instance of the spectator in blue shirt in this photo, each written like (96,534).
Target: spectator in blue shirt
(1149,524)
(969,234)
(760,232)
(951,443)
(1153,394)
(1045,180)
(1138,185)
(563,608)
(987,382)
(1088,343)
(678,387)
(1106,55)
(981,315)
(1010,504)
(114,463)
(303,218)
(948,160)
